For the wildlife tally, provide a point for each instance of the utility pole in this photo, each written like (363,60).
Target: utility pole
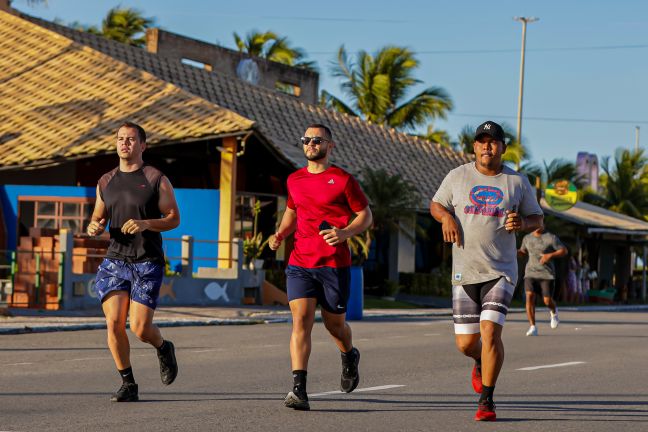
(524,21)
(636,139)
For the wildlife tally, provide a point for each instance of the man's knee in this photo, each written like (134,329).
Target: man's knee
(335,326)
(491,333)
(140,328)
(547,300)
(467,345)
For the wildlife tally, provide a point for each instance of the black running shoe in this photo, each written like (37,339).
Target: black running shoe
(126,393)
(297,401)
(168,364)
(350,376)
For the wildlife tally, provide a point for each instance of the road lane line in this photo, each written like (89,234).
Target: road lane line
(551,366)
(366,389)
(16,364)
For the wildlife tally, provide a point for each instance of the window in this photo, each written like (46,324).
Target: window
(54,212)
(287,88)
(197,64)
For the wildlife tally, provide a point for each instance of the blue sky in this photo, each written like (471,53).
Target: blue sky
(586,65)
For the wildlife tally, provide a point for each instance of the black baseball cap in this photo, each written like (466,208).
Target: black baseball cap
(490,128)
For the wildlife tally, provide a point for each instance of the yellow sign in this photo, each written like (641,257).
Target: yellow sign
(561,195)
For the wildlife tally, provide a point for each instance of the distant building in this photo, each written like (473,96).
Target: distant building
(588,167)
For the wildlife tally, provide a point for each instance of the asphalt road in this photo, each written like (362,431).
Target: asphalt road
(412,378)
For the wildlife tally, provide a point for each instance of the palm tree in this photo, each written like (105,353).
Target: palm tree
(439,136)
(393,200)
(377,86)
(270,46)
(120,24)
(624,184)
(557,169)
(124,25)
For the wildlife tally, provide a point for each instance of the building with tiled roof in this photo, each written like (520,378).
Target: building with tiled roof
(63,92)
(280,119)
(58,100)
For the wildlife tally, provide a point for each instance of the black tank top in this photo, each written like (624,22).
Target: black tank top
(132,195)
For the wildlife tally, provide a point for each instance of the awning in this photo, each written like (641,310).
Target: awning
(599,220)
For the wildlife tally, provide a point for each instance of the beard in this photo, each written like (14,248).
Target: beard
(315,156)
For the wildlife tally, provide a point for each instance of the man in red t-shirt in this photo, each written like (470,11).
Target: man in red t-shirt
(325,207)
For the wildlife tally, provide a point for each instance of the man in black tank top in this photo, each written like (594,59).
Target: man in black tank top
(138,202)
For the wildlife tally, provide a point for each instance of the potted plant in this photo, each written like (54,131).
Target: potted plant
(253,246)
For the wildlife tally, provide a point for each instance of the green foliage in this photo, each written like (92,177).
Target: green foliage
(377,86)
(557,169)
(437,283)
(254,245)
(271,46)
(624,183)
(393,200)
(123,25)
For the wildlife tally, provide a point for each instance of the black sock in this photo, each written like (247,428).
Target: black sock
(127,375)
(164,348)
(349,356)
(299,381)
(487,394)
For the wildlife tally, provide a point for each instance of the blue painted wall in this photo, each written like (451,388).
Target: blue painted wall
(198,216)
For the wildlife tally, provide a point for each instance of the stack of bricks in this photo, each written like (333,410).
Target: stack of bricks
(88,253)
(44,242)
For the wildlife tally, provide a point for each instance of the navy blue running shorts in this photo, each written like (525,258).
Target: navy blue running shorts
(141,280)
(329,285)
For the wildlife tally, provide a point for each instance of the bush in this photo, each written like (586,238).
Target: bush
(437,283)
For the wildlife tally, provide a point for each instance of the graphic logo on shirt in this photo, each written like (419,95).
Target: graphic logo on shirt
(331,181)
(485,200)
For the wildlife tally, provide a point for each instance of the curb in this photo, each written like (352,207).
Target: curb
(101,326)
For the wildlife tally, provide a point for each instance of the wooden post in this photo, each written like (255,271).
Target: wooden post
(227,201)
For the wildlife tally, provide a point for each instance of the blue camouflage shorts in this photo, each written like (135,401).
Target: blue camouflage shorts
(142,280)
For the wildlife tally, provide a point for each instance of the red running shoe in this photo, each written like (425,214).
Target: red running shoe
(477,378)
(485,411)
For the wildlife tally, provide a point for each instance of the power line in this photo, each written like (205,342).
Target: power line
(553,119)
(509,50)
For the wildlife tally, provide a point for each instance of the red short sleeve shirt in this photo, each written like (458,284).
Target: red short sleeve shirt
(333,196)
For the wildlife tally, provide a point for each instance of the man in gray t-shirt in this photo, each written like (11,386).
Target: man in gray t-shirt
(479,205)
(541,247)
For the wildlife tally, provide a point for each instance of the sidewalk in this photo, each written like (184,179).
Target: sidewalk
(36,321)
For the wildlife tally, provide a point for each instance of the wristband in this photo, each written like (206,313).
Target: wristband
(279,237)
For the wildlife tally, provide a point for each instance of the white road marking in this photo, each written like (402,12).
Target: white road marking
(551,366)
(366,389)
(17,364)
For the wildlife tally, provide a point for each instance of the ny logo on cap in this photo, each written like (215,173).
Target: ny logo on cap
(487,126)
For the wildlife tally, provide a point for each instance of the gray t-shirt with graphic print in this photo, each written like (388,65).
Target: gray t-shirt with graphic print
(534,246)
(479,203)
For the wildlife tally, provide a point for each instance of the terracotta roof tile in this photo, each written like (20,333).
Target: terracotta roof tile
(62,99)
(281,119)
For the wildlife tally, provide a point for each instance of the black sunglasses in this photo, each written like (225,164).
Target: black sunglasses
(316,140)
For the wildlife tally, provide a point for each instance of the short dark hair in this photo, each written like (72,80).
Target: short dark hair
(327,130)
(141,133)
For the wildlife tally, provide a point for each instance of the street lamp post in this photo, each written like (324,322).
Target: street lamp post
(524,21)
